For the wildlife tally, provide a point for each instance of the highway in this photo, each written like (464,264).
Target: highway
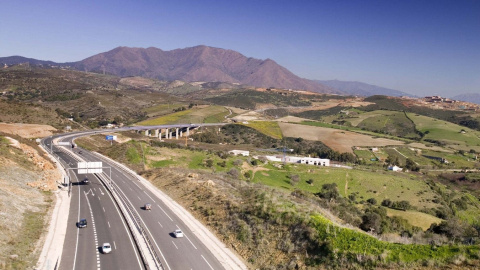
(107,223)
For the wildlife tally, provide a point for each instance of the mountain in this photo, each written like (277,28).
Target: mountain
(14,60)
(200,63)
(470,97)
(362,89)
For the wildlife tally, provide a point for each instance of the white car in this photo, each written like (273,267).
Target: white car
(106,248)
(178,233)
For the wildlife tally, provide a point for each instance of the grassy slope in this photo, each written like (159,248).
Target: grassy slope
(447,132)
(269,128)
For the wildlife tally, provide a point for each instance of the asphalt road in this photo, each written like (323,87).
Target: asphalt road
(82,247)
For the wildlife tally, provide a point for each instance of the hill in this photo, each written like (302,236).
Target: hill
(470,97)
(362,89)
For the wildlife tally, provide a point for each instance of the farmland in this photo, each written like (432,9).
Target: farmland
(339,140)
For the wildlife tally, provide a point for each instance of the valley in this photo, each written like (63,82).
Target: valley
(356,213)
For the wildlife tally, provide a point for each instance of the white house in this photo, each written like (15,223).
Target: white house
(302,160)
(395,168)
(239,152)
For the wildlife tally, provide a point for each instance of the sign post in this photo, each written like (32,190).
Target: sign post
(110,138)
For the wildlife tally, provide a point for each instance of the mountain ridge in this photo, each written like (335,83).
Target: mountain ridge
(362,89)
(198,63)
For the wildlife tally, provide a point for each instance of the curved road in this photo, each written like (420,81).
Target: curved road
(106,223)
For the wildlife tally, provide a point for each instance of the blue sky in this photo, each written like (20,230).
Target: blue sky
(419,47)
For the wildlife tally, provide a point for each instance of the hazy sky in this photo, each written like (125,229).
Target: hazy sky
(419,47)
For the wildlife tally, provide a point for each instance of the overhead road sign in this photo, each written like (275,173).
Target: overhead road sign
(63,143)
(89,167)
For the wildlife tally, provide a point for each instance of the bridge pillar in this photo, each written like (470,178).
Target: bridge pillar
(170,134)
(188,131)
(147,132)
(176,133)
(155,133)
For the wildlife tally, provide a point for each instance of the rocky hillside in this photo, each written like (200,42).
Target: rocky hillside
(27,178)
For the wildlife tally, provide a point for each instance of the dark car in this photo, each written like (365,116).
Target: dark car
(80,152)
(82,223)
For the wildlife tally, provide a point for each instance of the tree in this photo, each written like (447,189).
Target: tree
(329,192)
(411,165)
(371,222)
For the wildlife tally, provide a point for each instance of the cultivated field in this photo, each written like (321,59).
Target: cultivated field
(338,140)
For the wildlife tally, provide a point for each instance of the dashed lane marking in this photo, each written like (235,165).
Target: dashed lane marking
(165,212)
(207,262)
(149,197)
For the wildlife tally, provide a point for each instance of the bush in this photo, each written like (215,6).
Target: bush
(234,173)
(329,192)
(372,201)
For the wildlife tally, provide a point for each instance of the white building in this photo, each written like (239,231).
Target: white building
(239,152)
(395,168)
(301,160)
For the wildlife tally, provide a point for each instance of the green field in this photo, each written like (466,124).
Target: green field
(415,218)
(204,114)
(269,128)
(388,122)
(447,132)
(162,109)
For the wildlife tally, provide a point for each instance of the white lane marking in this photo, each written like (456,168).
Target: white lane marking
(189,241)
(129,236)
(130,188)
(108,224)
(114,244)
(165,212)
(207,262)
(103,209)
(160,224)
(174,244)
(139,198)
(187,237)
(94,231)
(136,185)
(78,229)
(149,197)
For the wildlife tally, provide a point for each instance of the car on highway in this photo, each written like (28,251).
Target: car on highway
(85,181)
(80,152)
(178,233)
(147,206)
(106,248)
(82,223)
